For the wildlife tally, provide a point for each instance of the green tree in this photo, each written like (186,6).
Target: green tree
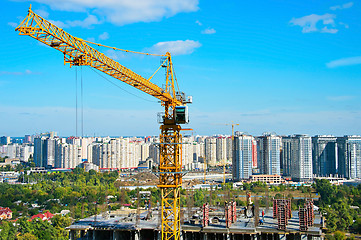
(27,236)
(8,231)
(339,235)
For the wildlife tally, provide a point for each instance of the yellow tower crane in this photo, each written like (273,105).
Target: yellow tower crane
(232,124)
(78,53)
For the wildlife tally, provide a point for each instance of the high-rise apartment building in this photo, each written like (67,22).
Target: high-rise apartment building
(349,156)
(144,151)
(297,157)
(67,155)
(324,155)
(50,152)
(12,150)
(229,148)
(44,151)
(107,154)
(198,152)
(27,139)
(5,140)
(242,162)
(254,153)
(221,150)
(286,155)
(268,154)
(154,153)
(39,152)
(121,153)
(25,152)
(187,153)
(210,145)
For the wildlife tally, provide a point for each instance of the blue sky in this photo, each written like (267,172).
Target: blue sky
(271,66)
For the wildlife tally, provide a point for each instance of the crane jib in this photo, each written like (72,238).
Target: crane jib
(78,52)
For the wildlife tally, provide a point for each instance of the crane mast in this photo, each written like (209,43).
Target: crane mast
(78,53)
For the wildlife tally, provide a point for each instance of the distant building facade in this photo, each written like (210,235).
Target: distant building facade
(242,157)
(349,156)
(5,140)
(269,150)
(297,150)
(324,155)
(286,155)
(67,155)
(270,179)
(210,145)
(44,151)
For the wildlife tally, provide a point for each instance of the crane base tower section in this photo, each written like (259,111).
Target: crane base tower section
(170,180)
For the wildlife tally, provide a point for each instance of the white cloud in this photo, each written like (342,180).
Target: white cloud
(340,98)
(343,6)
(86,23)
(344,24)
(179,47)
(122,12)
(199,23)
(309,23)
(42,13)
(61,119)
(91,39)
(12,24)
(59,23)
(344,62)
(26,72)
(104,36)
(116,55)
(209,31)
(283,122)
(325,29)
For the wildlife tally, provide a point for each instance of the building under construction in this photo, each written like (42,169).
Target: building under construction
(230,222)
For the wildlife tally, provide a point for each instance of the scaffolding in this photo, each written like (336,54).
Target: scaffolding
(277,203)
(310,213)
(234,212)
(282,217)
(282,211)
(303,218)
(205,221)
(228,214)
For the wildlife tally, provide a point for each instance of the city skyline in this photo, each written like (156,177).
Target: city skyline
(299,157)
(271,67)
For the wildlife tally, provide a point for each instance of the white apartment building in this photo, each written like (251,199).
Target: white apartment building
(301,157)
(242,157)
(349,156)
(67,155)
(269,149)
(210,145)
(221,150)
(187,153)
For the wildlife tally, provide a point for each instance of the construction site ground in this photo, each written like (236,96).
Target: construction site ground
(127,219)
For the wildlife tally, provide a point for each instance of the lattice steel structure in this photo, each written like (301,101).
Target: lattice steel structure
(78,53)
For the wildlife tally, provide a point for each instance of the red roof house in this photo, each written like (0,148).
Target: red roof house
(43,216)
(5,213)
